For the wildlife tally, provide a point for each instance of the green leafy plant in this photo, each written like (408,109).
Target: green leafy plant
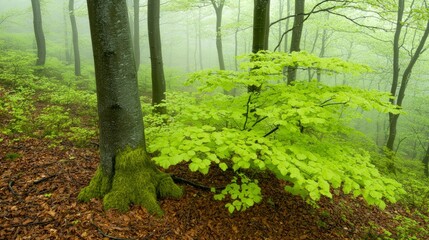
(298,132)
(410,229)
(53,121)
(17,107)
(244,194)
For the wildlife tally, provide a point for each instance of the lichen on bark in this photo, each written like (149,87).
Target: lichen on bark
(136,181)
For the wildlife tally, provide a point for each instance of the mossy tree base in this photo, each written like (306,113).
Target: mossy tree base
(136,181)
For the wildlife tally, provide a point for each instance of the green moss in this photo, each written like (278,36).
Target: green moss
(136,181)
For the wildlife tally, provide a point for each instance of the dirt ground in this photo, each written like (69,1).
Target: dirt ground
(39,186)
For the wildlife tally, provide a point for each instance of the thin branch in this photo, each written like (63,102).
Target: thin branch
(247,111)
(106,235)
(357,23)
(177,179)
(10,186)
(44,179)
(258,121)
(272,131)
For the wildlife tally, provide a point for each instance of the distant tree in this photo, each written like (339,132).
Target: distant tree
(38,31)
(75,35)
(298,25)
(126,175)
(218,7)
(66,36)
(393,118)
(158,79)
(136,6)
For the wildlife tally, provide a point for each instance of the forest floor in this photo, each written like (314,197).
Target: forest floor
(38,200)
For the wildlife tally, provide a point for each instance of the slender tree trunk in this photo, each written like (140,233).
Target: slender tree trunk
(287,25)
(200,48)
(260,9)
(296,36)
(425,162)
(236,36)
(75,35)
(280,23)
(218,6)
(126,175)
(322,52)
(393,118)
(66,37)
(136,35)
(38,31)
(267,26)
(158,79)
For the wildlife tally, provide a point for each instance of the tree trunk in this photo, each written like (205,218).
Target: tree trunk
(137,33)
(125,175)
(260,12)
(219,9)
(158,79)
(393,118)
(237,28)
(200,45)
(425,162)
(75,39)
(38,31)
(296,36)
(66,37)
(287,25)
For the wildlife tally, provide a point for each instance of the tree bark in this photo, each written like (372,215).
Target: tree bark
(218,6)
(296,36)
(38,31)
(393,118)
(158,79)
(425,162)
(260,25)
(125,175)
(260,12)
(66,37)
(137,33)
(237,28)
(75,36)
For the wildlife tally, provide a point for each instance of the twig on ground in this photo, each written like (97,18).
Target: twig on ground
(194,184)
(107,235)
(10,186)
(44,179)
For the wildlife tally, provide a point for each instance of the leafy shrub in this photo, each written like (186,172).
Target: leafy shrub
(299,132)
(17,106)
(53,122)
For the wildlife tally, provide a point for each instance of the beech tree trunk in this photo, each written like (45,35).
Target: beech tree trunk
(393,118)
(298,24)
(137,33)
(260,25)
(218,6)
(75,36)
(425,162)
(158,79)
(125,175)
(38,31)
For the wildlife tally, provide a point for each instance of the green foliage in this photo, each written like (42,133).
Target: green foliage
(299,132)
(244,194)
(411,229)
(17,107)
(52,121)
(66,104)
